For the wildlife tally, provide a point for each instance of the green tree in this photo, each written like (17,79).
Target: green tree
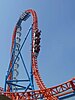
(2,97)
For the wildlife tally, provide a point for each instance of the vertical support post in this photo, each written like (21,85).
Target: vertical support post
(5,84)
(31,73)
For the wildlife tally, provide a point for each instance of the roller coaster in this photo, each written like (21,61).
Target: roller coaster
(15,88)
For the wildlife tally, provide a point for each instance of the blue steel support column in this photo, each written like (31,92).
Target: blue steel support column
(30,78)
(11,82)
(67,96)
(31,73)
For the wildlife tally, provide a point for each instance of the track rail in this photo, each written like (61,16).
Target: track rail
(52,93)
(34,58)
(58,91)
(35,70)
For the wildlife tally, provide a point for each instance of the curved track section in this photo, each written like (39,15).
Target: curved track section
(59,91)
(53,93)
(36,74)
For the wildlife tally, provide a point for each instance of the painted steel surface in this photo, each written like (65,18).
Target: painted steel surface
(53,93)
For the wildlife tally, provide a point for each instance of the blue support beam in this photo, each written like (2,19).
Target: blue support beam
(18,80)
(67,96)
(29,78)
(10,70)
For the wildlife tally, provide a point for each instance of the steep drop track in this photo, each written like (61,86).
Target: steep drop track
(52,93)
(34,58)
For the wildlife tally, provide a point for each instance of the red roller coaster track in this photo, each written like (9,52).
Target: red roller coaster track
(52,93)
